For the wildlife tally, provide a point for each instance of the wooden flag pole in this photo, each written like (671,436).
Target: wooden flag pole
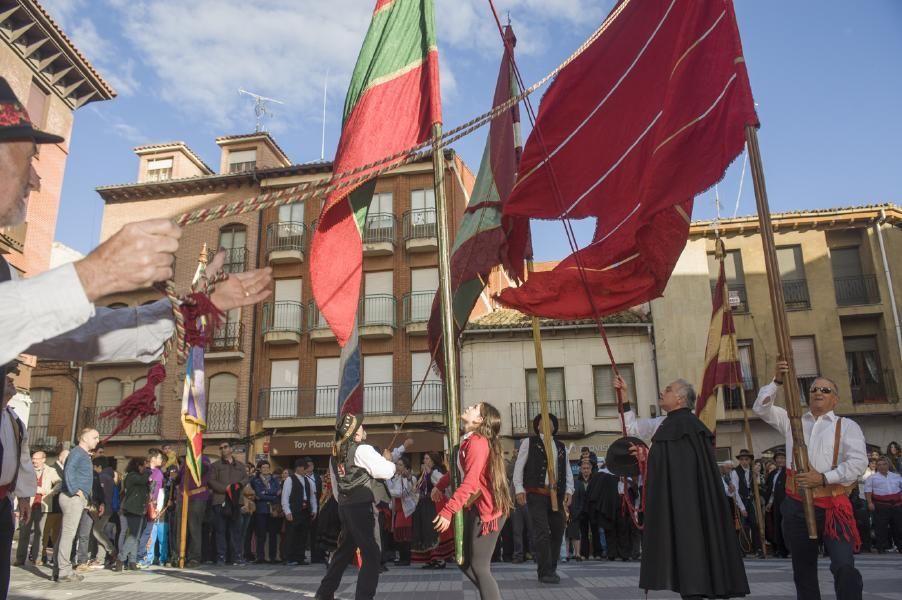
(781,325)
(756,489)
(183,525)
(452,406)
(550,447)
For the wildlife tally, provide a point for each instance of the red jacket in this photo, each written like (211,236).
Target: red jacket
(473,459)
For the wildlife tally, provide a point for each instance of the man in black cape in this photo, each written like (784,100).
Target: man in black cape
(688,544)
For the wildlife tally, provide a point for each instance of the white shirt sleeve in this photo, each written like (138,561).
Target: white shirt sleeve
(27,483)
(570,486)
(641,428)
(375,464)
(314,500)
(398,452)
(395,486)
(854,452)
(771,414)
(286,493)
(114,334)
(734,479)
(40,308)
(522,455)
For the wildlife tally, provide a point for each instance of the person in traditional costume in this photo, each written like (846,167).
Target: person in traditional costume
(688,545)
(774,494)
(329,527)
(428,547)
(837,456)
(533,490)
(483,494)
(353,467)
(403,490)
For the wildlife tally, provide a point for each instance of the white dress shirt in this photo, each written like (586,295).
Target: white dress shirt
(819,434)
(313,501)
(27,483)
(641,428)
(522,455)
(405,489)
(49,315)
(883,485)
(368,459)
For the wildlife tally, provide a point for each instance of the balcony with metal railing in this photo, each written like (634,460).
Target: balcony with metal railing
(286,242)
(41,438)
(379,234)
(378,399)
(146,427)
(226,341)
(377,316)
(222,417)
(416,308)
(420,231)
(795,294)
(856,290)
(242,167)
(283,322)
(235,260)
(739,302)
(317,327)
(568,412)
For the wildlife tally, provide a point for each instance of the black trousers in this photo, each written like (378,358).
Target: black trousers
(506,551)
(750,523)
(846,578)
(478,550)
(7,529)
(194,539)
(588,537)
(298,532)
(888,526)
(547,531)
(317,555)
(265,526)
(358,530)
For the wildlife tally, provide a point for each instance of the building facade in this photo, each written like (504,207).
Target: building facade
(841,273)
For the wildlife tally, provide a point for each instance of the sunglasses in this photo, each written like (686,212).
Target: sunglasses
(823,390)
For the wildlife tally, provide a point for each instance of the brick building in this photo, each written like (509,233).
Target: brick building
(274,368)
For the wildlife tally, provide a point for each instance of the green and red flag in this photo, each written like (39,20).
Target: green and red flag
(485,239)
(392,102)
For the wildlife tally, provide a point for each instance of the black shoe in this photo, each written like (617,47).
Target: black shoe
(192,564)
(428,565)
(517,561)
(553,578)
(73,578)
(329,597)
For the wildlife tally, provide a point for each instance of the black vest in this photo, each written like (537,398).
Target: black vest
(298,495)
(745,491)
(353,481)
(537,465)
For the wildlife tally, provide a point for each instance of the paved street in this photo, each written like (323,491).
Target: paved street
(771,579)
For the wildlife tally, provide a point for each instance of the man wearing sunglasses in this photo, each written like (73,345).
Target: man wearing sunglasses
(227,479)
(837,456)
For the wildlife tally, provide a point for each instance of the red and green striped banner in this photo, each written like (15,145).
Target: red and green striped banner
(392,102)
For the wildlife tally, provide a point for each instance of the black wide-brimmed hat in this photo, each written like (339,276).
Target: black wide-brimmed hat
(537,424)
(348,426)
(15,124)
(779,453)
(619,460)
(745,453)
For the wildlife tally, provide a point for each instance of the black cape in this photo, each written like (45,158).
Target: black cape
(689,544)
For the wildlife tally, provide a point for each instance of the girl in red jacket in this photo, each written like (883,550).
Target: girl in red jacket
(483,494)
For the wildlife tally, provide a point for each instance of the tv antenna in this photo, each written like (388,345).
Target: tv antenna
(260,108)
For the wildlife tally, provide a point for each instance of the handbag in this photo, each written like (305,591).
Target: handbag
(151,511)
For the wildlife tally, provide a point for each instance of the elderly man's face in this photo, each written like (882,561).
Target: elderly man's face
(822,397)
(38,459)
(17,179)
(669,399)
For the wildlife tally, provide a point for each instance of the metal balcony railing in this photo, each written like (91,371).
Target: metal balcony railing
(105,425)
(222,417)
(315,319)
(39,437)
(733,395)
(235,260)
(856,290)
(795,294)
(416,307)
(283,316)
(419,223)
(227,337)
(739,302)
(288,235)
(378,399)
(378,309)
(568,412)
(242,167)
(431,398)
(379,228)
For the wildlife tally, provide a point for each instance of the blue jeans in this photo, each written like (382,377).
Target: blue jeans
(159,534)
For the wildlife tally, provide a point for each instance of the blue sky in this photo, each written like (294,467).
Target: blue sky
(824,73)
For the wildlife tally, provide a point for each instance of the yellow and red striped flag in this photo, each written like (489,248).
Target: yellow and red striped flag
(722,366)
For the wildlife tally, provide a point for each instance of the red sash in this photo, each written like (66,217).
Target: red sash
(888,499)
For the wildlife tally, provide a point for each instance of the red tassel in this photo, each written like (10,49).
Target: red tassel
(142,403)
(199,305)
(839,521)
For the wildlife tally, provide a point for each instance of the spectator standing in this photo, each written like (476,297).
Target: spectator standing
(156,525)
(135,493)
(78,485)
(266,494)
(894,455)
(883,491)
(316,554)
(583,509)
(198,498)
(774,494)
(297,505)
(227,479)
(31,532)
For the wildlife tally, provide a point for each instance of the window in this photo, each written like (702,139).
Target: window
(36,105)
(554,382)
(804,360)
(792,276)
(290,214)
(159,169)
(242,161)
(378,389)
(732,263)
(222,390)
(853,287)
(379,301)
(606,396)
(326,386)
(233,238)
(733,395)
(423,284)
(109,393)
(430,400)
(39,416)
(380,213)
(865,374)
(283,393)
